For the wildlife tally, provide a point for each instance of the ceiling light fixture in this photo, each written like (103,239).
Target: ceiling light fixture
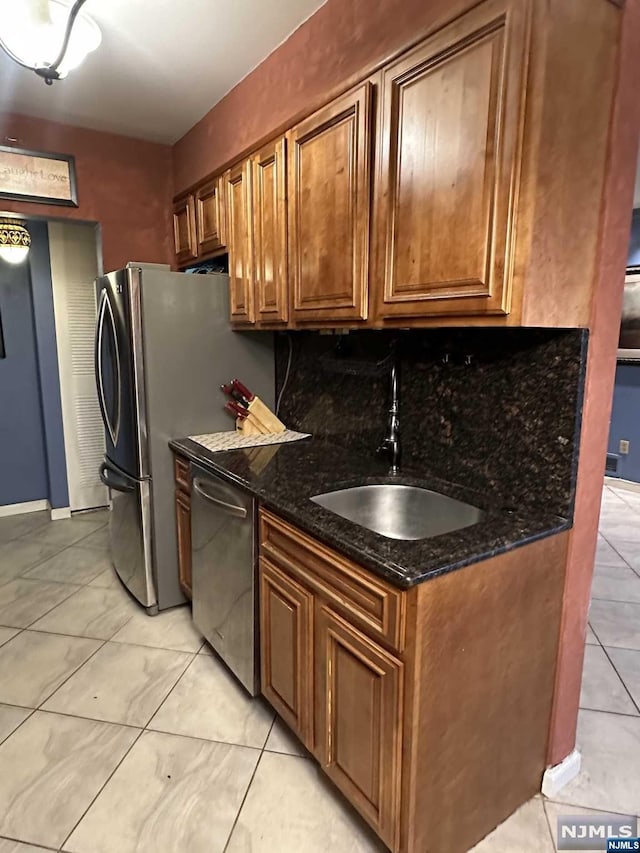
(15,241)
(50,37)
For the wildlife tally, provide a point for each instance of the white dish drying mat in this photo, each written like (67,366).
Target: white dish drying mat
(233,440)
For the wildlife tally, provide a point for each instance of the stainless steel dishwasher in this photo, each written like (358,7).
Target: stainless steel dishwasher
(223,532)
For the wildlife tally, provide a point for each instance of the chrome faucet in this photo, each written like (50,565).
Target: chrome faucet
(391,442)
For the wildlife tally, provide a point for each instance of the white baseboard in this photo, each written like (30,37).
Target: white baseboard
(556,777)
(18,509)
(617,483)
(61,512)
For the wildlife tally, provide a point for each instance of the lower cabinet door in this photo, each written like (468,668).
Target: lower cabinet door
(183,525)
(358,720)
(286,649)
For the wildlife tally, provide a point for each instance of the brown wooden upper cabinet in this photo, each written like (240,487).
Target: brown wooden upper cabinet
(237,189)
(450,150)
(269,210)
(184,229)
(210,219)
(329,198)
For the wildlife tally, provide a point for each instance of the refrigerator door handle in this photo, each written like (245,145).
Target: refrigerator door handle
(98,357)
(118,485)
(104,310)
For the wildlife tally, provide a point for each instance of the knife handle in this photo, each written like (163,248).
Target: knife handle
(236,410)
(243,390)
(230,391)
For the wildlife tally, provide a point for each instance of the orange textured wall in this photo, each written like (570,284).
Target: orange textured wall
(328,51)
(331,47)
(604,327)
(124,184)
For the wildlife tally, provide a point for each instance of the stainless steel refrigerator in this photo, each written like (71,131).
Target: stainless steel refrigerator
(163,348)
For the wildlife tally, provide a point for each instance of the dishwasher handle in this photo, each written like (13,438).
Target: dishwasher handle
(231,509)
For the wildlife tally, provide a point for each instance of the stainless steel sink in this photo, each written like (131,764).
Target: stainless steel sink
(400,512)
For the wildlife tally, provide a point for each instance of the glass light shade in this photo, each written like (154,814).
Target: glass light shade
(14,254)
(34,32)
(15,242)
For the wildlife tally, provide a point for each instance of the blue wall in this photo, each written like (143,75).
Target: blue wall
(23,469)
(625,412)
(625,420)
(32,456)
(634,242)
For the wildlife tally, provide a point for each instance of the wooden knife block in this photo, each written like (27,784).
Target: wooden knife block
(248,426)
(260,420)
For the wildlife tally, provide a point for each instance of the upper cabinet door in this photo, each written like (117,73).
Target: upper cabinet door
(237,183)
(270,232)
(329,197)
(210,217)
(450,150)
(184,230)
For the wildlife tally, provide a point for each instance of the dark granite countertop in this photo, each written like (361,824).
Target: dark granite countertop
(284,477)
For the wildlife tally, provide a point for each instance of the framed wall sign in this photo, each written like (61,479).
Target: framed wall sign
(38,176)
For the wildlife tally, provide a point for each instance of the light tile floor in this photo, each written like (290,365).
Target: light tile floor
(121,733)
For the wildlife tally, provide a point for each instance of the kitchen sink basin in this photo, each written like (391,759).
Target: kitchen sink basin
(400,512)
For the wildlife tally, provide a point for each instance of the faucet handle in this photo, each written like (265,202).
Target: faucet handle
(384,447)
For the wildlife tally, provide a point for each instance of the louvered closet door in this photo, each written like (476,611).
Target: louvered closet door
(73,271)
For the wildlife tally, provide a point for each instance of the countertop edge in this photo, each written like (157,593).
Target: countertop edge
(189,449)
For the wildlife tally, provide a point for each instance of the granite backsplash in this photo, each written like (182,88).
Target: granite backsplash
(489,409)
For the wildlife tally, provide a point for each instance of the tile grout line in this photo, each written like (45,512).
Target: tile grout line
(548,820)
(150,731)
(62,601)
(32,630)
(25,538)
(624,683)
(246,793)
(35,846)
(614,600)
(13,731)
(244,799)
(623,498)
(587,808)
(102,644)
(71,674)
(80,588)
(95,552)
(40,562)
(71,716)
(35,565)
(595,633)
(102,787)
(46,613)
(182,675)
(17,634)
(144,730)
(624,560)
(186,667)
(630,716)
(609,646)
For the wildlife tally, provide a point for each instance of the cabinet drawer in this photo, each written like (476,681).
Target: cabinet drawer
(375,606)
(181,469)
